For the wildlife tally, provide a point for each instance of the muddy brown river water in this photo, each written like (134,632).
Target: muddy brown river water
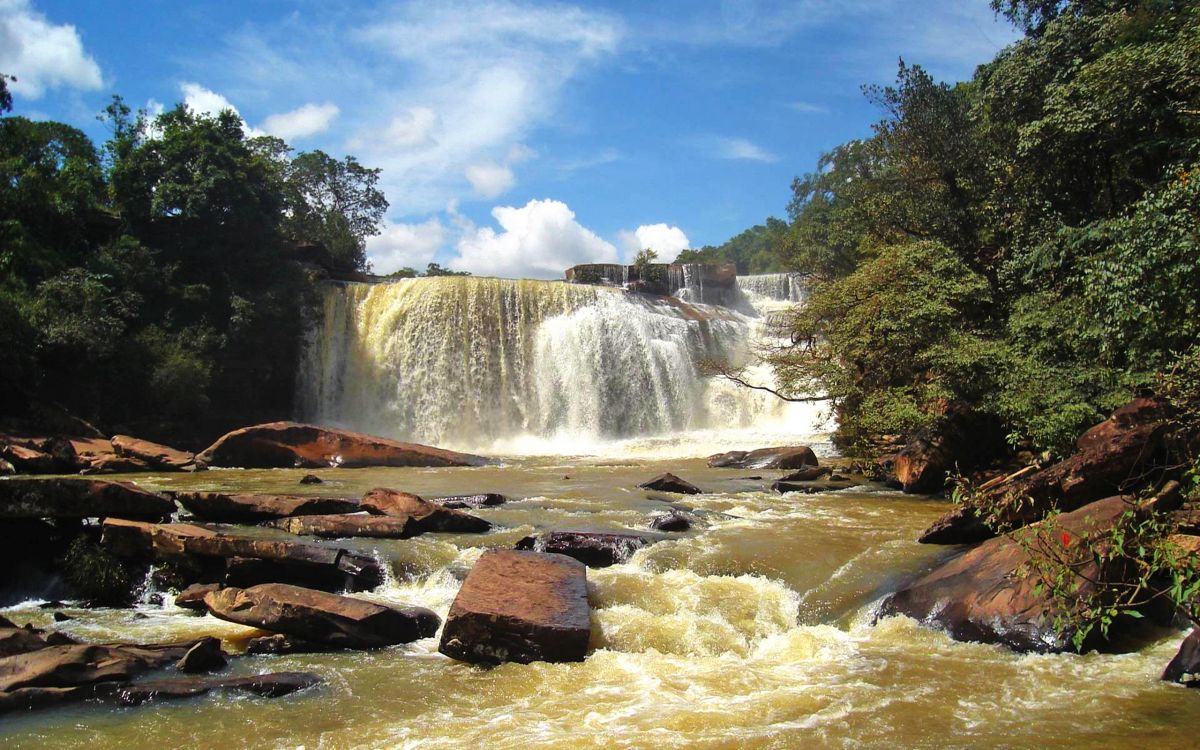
(752,630)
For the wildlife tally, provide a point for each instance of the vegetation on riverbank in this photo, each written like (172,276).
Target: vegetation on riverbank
(158,284)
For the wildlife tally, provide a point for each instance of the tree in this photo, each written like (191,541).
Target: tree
(433,269)
(6,100)
(336,203)
(644,258)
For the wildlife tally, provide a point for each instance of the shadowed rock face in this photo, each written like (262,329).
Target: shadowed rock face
(263,685)
(73,665)
(318,616)
(668,482)
(1185,666)
(80,498)
(982,595)
(220,507)
(784,457)
(1111,459)
(291,444)
(160,457)
(519,607)
(240,559)
(593,549)
(426,515)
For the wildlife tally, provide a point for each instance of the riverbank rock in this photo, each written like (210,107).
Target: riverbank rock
(345,526)
(209,556)
(322,617)
(40,455)
(192,597)
(668,482)
(983,595)
(220,507)
(80,498)
(1112,460)
(921,467)
(458,502)
(519,607)
(291,444)
(427,516)
(14,640)
(1185,666)
(784,457)
(593,549)
(156,456)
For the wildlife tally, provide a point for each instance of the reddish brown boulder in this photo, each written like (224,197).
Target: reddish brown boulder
(668,482)
(291,444)
(593,549)
(111,463)
(322,617)
(427,515)
(205,656)
(28,460)
(160,457)
(14,640)
(220,507)
(784,457)
(983,595)
(807,474)
(273,685)
(921,466)
(81,664)
(519,607)
(192,597)
(79,498)
(1140,411)
(1112,462)
(240,559)
(344,526)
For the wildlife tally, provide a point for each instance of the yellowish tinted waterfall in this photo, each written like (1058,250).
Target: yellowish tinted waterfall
(786,287)
(473,362)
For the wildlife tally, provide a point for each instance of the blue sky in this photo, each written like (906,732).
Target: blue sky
(515,138)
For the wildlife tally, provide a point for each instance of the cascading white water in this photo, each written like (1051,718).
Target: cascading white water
(786,287)
(493,364)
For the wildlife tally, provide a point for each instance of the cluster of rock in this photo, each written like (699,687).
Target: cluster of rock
(986,594)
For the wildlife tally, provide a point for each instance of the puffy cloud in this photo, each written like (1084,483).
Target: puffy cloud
(413,127)
(666,240)
(302,122)
(742,150)
(43,55)
(490,180)
(405,245)
(539,240)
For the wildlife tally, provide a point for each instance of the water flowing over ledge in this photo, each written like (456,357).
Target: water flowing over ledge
(540,367)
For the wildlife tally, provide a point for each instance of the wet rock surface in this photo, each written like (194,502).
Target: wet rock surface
(155,456)
(593,549)
(344,526)
(220,507)
(1184,668)
(783,457)
(292,444)
(519,607)
(458,502)
(80,498)
(428,517)
(319,616)
(668,482)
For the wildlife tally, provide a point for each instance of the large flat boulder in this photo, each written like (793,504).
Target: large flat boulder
(157,456)
(221,507)
(322,617)
(592,548)
(83,664)
(1110,462)
(241,559)
(519,607)
(783,457)
(345,526)
(291,444)
(272,685)
(985,595)
(427,516)
(80,498)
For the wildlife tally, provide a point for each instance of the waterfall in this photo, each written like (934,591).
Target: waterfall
(473,362)
(784,287)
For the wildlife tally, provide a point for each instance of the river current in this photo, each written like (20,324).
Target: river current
(754,629)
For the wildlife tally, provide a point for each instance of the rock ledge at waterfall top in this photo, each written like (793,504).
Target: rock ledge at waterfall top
(278,445)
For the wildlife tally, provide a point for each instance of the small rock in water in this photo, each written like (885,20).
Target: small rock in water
(311,479)
(53,604)
(670,522)
(285,644)
(806,474)
(205,656)
(594,549)
(668,482)
(62,617)
(482,500)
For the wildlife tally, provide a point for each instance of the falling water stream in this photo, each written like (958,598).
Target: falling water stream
(751,630)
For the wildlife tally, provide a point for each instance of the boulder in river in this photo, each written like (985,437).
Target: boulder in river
(482,500)
(668,482)
(311,479)
(1110,461)
(205,656)
(345,526)
(593,549)
(292,444)
(83,664)
(318,616)
(1185,666)
(673,521)
(519,607)
(192,597)
(156,456)
(221,507)
(921,466)
(80,498)
(807,474)
(428,516)
(274,685)
(783,457)
(983,595)
(240,559)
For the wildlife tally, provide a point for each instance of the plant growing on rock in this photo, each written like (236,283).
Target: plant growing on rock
(95,574)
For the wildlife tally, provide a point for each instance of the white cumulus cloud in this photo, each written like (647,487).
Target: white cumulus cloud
(666,240)
(302,122)
(43,55)
(540,240)
(405,245)
(742,149)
